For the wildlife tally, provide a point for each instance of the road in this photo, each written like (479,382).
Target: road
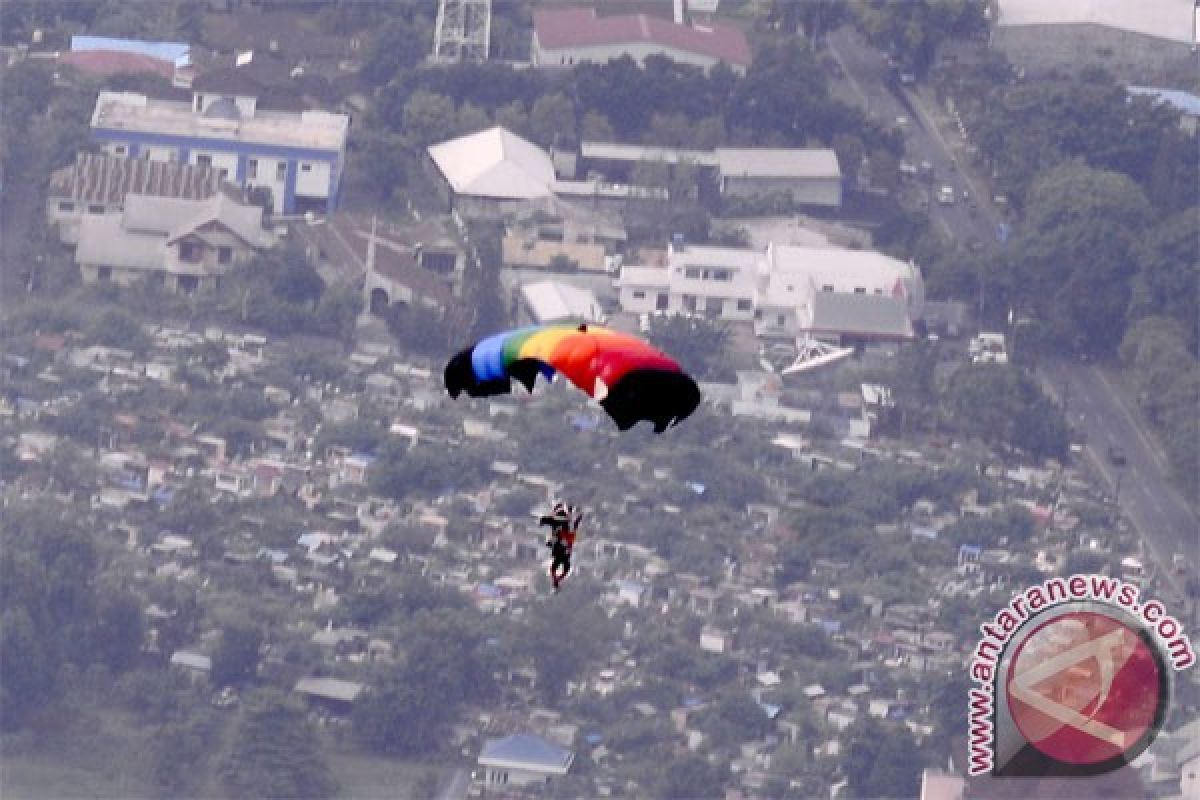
(866,83)
(1095,404)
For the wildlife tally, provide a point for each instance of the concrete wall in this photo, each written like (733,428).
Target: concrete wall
(1131,57)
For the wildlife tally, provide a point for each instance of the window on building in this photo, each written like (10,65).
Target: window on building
(95,209)
(203,160)
(689,302)
(66,205)
(119,149)
(860,290)
(222,173)
(189,251)
(744,304)
(224,255)
(692,272)
(281,171)
(723,275)
(188,283)
(662,301)
(780,320)
(251,168)
(199,102)
(878,290)
(104,274)
(827,287)
(306,167)
(639,295)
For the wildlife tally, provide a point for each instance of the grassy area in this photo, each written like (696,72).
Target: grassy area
(98,756)
(363,776)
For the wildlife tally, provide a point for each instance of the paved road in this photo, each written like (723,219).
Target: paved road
(1096,406)
(1163,520)
(866,82)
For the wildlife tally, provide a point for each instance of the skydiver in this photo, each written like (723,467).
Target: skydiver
(564,523)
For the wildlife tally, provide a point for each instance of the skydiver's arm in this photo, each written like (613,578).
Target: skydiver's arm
(578,519)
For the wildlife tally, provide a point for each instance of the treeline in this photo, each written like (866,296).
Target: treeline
(781,101)
(1166,377)
(58,616)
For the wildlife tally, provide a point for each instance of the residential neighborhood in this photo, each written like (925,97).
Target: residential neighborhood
(247,528)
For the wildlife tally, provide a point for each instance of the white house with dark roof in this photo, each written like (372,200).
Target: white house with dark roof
(299,157)
(787,291)
(522,759)
(563,37)
(188,244)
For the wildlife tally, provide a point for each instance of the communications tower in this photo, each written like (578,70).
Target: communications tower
(462,31)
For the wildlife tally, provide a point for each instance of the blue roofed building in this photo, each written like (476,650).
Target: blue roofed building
(298,157)
(1186,103)
(522,759)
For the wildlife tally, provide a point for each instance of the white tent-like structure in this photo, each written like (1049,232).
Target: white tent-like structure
(494,163)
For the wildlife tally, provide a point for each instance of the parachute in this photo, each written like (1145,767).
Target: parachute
(630,379)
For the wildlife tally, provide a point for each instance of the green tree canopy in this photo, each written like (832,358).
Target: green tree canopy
(276,753)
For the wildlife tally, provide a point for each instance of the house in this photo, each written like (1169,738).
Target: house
(330,694)
(565,237)
(522,759)
(97,184)
(298,157)
(187,244)
(566,36)
(104,57)
(556,301)
(1133,41)
(807,176)
(195,665)
(786,290)
(492,172)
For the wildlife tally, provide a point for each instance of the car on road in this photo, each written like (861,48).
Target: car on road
(1116,456)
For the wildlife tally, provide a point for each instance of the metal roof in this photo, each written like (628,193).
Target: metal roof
(495,163)
(768,162)
(526,751)
(96,178)
(329,688)
(550,301)
(566,28)
(860,314)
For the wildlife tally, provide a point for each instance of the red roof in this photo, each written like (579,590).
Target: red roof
(112,62)
(580,27)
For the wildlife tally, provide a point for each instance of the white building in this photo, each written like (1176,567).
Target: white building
(299,157)
(98,184)
(1132,40)
(807,176)
(522,760)
(563,37)
(787,290)
(188,244)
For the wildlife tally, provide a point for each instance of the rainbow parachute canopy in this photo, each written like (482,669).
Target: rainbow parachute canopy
(631,379)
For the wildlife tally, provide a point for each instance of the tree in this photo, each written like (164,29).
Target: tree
(397,46)
(428,116)
(552,120)
(1074,260)
(116,328)
(119,629)
(1168,282)
(1003,406)
(595,127)
(879,760)
(699,344)
(26,670)
(691,775)
(275,753)
(235,660)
